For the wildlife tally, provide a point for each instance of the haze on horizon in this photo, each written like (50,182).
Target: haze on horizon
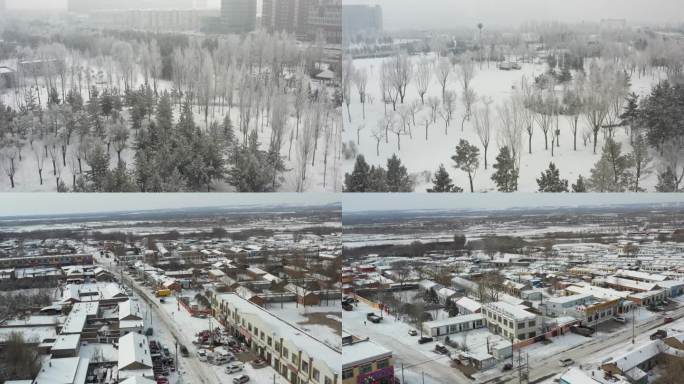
(59,5)
(450,14)
(32,204)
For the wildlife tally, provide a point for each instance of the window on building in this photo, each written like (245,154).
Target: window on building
(285,353)
(269,341)
(305,366)
(346,374)
(532,323)
(383,364)
(366,368)
(316,374)
(521,325)
(328,380)
(294,358)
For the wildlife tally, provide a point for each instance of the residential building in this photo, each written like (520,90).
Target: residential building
(583,307)
(237,16)
(467,306)
(364,361)
(357,18)
(324,21)
(68,370)
(292,352)
(134,356)
(282,15)
(156,20)
(511,321)
(87,6)
(453,325)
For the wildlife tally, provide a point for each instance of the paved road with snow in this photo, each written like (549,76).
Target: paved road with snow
(593,351)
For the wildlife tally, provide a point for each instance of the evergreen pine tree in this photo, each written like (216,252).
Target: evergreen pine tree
(579,186)
(358,181)
(612,173)
(442,182)
(377,180)
(466,159)
(550,180)
(667,181)
(397,176)
(506,175)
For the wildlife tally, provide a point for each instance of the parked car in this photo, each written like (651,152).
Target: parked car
(659,334)
(202,355)
(412,332)
(667,319)
(507,367)
(347,306)
(425,339)
(372,317)
(566,362)
(241,379)
(442,350)
(184,351)
(620,319)
(149,332)
(258,363)
(582,330)
(234,367)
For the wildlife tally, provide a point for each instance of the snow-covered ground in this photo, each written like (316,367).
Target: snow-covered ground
(27,180)
(420,155)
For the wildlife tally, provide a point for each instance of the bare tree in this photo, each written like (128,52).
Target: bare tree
(443,71)
(483,125)
(361,82)
(389,92)
(378,134)
(511,127)
(448,107)
(433,103)
(466,73)
(40,162)
(401,73)
(595,101)
(348,74)
(423,77)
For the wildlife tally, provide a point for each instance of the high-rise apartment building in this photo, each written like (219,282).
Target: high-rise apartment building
(237,16)
(361,18)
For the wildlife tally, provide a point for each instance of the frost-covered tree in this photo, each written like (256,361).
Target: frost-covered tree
(466,73)
(483,126)
(401,73)
(443,71)
(641,160)
(423,78)
(361,82)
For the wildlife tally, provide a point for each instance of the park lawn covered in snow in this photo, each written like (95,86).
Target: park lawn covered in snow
(422,157)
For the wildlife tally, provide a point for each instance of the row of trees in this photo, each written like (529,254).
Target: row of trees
(80,107)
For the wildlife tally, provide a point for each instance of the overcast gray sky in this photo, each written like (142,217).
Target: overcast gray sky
(15,204)
(61,4)
(431,14)
(357,202)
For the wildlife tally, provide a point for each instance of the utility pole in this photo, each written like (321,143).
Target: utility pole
(176,355)
(402,372)
(633,326)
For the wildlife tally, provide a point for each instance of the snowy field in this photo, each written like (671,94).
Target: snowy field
(323,173)
(422,156)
